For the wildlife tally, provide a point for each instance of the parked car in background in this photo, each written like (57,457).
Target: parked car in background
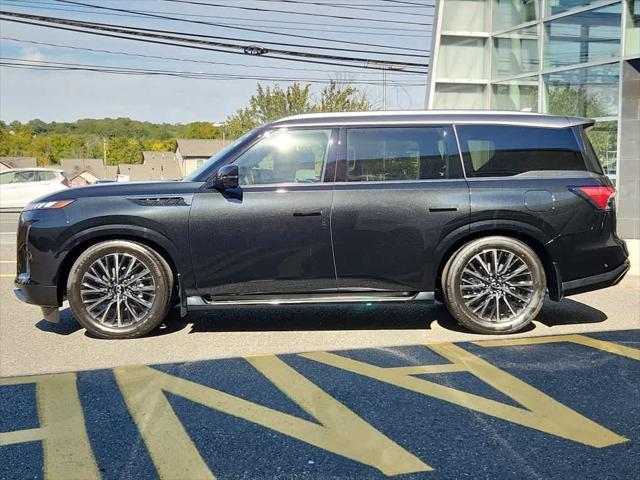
(20,186)
(487,212)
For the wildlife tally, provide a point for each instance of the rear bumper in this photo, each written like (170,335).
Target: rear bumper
(596,282)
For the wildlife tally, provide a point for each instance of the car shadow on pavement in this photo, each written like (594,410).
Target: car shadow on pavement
(66,326)
(380,316)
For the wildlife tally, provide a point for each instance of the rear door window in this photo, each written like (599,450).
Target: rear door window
(401,153)
(25,176)
(45,176)
(500,150)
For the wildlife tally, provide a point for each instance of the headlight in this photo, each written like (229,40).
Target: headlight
(44,205)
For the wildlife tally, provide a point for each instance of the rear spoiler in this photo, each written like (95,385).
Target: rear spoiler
(580,122)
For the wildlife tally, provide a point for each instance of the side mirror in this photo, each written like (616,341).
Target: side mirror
(227,177)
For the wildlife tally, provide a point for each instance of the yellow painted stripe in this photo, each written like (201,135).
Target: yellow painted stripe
(605,346)
(7,261)
(4,275)
(22,436)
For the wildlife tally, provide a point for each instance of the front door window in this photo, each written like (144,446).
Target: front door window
(286,156)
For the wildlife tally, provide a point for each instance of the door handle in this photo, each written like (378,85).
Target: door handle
(443,209)
(308,214)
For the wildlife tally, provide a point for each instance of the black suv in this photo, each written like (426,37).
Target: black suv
(485,211)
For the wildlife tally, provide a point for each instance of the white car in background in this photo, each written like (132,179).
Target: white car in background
(20,186)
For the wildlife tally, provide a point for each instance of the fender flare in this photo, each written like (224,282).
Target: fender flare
(519,229)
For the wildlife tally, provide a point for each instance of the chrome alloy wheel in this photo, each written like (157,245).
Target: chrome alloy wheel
(496,285)
(118,290)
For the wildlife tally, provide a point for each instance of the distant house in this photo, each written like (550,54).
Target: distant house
(193,153)
(85,171)
(137,172)
(83,178)
(164,165)
(17,162)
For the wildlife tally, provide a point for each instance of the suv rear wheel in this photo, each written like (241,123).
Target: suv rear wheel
(120,289)
(494,285)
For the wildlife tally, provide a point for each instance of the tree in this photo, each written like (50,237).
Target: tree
(269,104)
(337,98)
(123,150)
(201,130)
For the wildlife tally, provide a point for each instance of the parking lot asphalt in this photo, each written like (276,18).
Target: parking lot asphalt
(559,407)
(30,345)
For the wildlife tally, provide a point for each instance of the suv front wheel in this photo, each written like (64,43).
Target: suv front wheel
(494,285)
(119,289)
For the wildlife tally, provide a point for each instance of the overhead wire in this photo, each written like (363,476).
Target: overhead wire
(186,37)
(253,30)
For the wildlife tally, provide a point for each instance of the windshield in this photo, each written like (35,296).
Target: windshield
(194,176)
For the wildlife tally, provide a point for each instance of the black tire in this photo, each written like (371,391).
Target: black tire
(141,319)
(500,292)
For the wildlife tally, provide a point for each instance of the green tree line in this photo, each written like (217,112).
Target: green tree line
(123,140)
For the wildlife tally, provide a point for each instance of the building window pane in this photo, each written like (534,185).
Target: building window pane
(385,154)
(464,15)
(632,41)
(454,96)
(587,92)
(515,52)
(559,6)
(461,57)
(509,13)
(516,95)
(604,139)
(584,37)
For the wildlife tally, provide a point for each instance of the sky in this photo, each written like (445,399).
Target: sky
(384,31)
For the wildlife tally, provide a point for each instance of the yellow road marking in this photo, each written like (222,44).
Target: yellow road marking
(603,345)
(7,261)
(5,275)
(338,429)
(67,451)
(540,412)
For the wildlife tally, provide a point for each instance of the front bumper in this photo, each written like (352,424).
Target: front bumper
(36,294)
(596,282)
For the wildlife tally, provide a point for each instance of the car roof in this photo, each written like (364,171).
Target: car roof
(39,169)
(458,117)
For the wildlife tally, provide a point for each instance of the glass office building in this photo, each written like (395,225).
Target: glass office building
(566,57)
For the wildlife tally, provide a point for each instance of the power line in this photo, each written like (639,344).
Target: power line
(291,22)
(160,39)
(69,66)
(187,60)
(249,48)
(290,12)
(62,8)
(343,6)
(201,22)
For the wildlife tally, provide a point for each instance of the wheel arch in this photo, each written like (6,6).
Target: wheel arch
(533,237)
(153,240)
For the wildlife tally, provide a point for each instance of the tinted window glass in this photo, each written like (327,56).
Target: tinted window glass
(46,176)
(25,176)
(498,150)
(285,156)
(407,153)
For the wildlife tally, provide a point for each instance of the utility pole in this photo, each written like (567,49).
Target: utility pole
(384,67)
(104,150)
(220,125)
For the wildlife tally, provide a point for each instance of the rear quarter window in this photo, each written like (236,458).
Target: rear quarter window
(500,150)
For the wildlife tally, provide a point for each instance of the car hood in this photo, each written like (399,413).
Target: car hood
(125,189)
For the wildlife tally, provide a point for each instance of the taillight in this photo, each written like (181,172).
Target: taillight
(599,195)
(65,182)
